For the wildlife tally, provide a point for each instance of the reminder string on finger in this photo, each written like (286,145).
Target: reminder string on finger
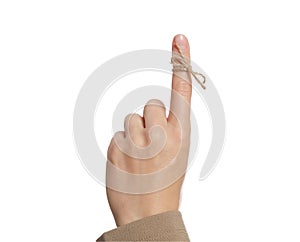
(180,63)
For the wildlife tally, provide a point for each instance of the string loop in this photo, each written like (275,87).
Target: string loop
(181,64)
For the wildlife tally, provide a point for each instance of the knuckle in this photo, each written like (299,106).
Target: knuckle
(118,135)
(135,117)
(155,102)
(127,118)
(112,150)
(154,106)
(132,118)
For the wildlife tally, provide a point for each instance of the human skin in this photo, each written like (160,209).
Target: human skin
(128,207)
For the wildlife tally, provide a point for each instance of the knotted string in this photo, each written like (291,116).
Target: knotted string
(180,63)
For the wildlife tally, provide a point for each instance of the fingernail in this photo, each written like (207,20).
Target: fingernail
(180,41)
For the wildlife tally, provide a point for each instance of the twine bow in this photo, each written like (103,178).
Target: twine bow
(180,63)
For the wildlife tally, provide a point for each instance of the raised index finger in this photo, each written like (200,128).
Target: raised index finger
(181,80)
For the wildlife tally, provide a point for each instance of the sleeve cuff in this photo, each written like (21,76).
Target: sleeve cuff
(166,226)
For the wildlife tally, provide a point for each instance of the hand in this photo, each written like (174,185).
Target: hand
(150,144)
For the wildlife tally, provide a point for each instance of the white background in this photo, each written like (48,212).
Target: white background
(250,49)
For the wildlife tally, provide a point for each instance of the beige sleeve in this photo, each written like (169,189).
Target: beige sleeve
(166,226)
